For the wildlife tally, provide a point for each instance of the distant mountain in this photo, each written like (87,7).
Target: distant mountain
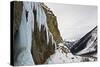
(87,45)
(69,44)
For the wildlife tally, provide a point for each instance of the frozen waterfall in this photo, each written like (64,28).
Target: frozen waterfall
(23,40)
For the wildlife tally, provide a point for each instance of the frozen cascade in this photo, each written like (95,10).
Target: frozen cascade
(41,19)
(23,54)
(25,37)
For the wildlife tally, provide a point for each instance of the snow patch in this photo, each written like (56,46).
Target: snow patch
(61,57)
(65,56)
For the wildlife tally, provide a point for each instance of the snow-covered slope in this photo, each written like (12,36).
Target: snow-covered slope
(63,55)
(87,44)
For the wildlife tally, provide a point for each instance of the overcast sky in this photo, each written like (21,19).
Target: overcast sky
(74,21)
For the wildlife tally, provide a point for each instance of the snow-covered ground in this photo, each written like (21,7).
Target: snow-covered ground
(61,57)
(66,56)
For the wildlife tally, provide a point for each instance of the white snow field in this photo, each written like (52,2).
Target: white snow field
(61,56)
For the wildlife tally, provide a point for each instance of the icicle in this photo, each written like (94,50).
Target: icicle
(32,16)
(38,15)
(47,36)
(45,24)
(41,19)
(53,41)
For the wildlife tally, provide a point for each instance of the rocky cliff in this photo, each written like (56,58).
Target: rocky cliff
(52,24)
(35,33)
(44,39)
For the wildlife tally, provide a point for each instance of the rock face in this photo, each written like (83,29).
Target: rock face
(16,12)
(16,15)
(87,45)
(35,33)
(45,39)
(52,24)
